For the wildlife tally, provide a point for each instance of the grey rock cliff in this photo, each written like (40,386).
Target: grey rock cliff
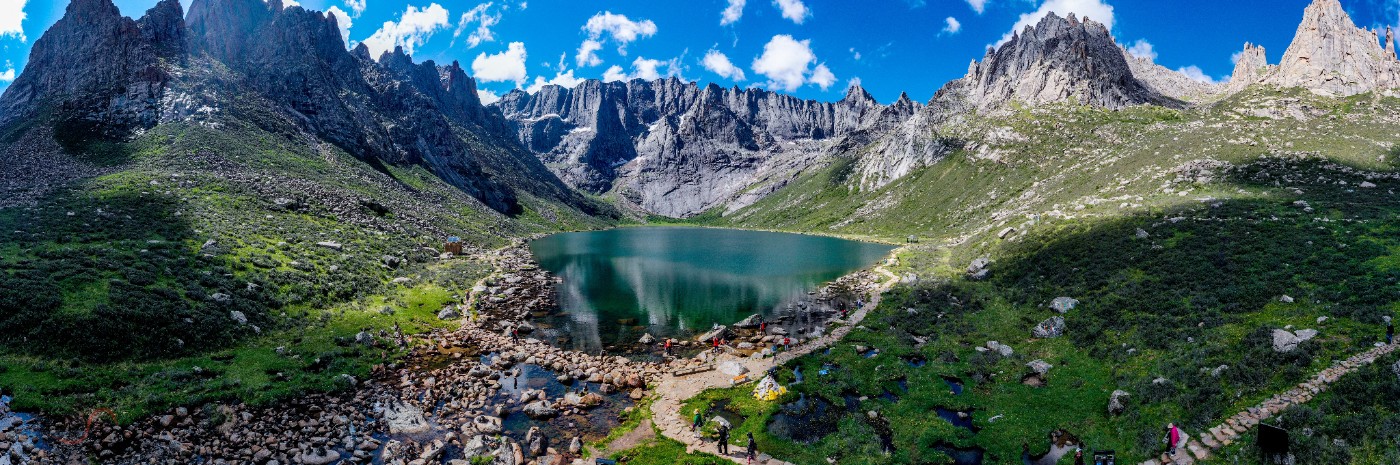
(672,147)
(1251,68)
(1331,56)
(1058,59)
(98,69)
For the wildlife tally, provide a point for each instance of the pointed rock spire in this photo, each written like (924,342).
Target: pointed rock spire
(1330,55)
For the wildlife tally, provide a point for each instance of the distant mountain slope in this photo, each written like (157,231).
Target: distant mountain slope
(103,75)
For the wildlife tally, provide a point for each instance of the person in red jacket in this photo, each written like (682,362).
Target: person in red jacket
(1173,438)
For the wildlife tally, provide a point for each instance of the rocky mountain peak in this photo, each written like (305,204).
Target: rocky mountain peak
(857,95)
(1168,82)
(1331,56)
(1057,59)
(1252,67)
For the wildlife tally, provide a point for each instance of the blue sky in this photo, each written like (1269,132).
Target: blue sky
(809,48)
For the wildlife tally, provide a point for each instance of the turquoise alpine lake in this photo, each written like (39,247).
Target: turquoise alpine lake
(619,284)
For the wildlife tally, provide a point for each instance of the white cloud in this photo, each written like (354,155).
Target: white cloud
(290,3)
(1235,57)
(1143,49)
(8,75)
(11,17)
(587,53)
(854,82)
(342,20)
(822,77)
(793,9)
(614,73)
(786,62)
(483,20)
(644,69)
(621,29)
(719,64)
(412,29)
(357,6)
(505,66)
(565,79)
(953,26)
(487,97)
(979,6)
(855,54)
(524,5)
(1096,10)
(732,13)
(1194,72)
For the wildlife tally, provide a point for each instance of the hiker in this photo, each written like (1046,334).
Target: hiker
(1078,456)
(695,424)
(752,449)
(723,445)
(1389,332)
(515,334)
(668,346)
(762,327)
(1173,437)
(716,341)
(787,343)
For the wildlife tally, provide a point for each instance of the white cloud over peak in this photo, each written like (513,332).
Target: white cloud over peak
(290,3)
(342,19)
(718,63)
(645,69)
(481,16)
(979,6)
(565,79)
(952,25)
(411,30)
(487,97)
(501,67)
(8,75)
(11,18)
(588,53)
(1194,72)
(853,82)
(787,63)
(793,9)
(1142,49)
(1097,10)
(732,13)
(622,29)
(356,6)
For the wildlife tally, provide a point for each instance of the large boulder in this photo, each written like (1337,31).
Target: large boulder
(1039,367)
(448,313)
(319,456)
(1003,349)
(732,368)
(1050,328)
(751,322)
(718,332)
(405,418)
(1286,341)
(978,268)
(539,410)
(1117,402)
(1063,304)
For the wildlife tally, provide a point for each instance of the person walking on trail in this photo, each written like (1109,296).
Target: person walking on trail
(515,334)
(752,452)
(1389,332)
(787,343)
(668,346)
(1173,438)
(723,445)
(696,422)
(1078,456)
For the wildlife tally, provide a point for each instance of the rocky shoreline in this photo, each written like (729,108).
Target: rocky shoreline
(447,401)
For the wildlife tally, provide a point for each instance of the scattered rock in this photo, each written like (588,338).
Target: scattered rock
(448,313)
(1050,328)
(1063,304)
(1039,366)
(1117,402)
(238,317)
(978,268)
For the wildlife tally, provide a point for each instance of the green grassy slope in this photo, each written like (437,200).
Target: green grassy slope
(1159,314)
(118,291)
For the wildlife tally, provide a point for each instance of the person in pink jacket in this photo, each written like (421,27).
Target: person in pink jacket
(1173,438)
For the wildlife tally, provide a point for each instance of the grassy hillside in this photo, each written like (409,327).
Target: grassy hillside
(120,289)
(1187,237)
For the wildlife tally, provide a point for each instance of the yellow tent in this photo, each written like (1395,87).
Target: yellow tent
(768,389)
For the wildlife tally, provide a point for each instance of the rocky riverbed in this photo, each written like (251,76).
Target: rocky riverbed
(486,389)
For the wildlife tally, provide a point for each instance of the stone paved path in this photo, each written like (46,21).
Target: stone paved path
(674,390)
(1199,448)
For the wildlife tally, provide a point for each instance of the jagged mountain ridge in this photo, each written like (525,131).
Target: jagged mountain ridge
(1058,59)
(677,148)
(388,110)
